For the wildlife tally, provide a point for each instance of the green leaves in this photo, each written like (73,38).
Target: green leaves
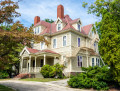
(93,77)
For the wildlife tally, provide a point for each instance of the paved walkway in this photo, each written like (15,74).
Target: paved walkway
(39,86)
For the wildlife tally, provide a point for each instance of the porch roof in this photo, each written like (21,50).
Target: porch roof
(40,51)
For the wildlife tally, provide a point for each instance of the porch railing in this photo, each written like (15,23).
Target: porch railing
(32,69)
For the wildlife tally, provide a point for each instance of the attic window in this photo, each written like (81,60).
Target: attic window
(59,26)
(78,27)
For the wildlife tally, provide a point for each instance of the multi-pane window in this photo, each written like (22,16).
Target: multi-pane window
(59,26)
(92,62)
(42,45)
(64,40)
(54,43)
(79,61)
(96,62)
(78,27)
(78,42)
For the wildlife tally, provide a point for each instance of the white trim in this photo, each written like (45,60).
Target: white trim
(25,49)
(66,40)
(77,41)
(53,43)
(57,20)
(79,61)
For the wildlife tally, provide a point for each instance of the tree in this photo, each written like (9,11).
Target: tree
(49,21)
(109,30)
(8,11)
(13,38)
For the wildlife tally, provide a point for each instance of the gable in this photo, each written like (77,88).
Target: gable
(25,53)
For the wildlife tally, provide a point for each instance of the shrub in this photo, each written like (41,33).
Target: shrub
(93,77)
(3,74)
(52,71)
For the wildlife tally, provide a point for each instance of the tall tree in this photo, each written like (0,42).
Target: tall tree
(109,30)
(12,40)
(49,21)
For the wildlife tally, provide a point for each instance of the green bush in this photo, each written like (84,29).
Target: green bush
(92,77)
(3,74)
(52,71)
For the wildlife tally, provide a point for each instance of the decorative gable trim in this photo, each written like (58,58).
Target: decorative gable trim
(58,19)
(25,49)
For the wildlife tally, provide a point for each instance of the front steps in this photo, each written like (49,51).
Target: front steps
(28,75)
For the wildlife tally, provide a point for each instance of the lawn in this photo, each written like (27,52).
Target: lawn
(40,79)
(4,88)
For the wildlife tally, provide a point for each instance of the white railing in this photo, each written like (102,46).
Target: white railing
(32,69)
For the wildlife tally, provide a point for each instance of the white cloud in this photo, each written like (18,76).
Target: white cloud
(48,9)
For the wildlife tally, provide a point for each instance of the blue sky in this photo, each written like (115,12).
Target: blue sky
(48,9)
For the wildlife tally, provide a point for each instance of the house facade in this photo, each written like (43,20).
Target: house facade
(71,44)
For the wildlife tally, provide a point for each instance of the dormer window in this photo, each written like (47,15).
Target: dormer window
(59,27)
(37,30)
(78,27)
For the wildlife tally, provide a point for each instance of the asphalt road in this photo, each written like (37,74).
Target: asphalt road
(38,86)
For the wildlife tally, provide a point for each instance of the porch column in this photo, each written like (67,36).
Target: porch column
(29,63)
(87,61)
(21,64)
(44,59)
(35,63)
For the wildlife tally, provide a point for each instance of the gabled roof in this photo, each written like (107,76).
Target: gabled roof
(40,51)
(32,50)
(51,28)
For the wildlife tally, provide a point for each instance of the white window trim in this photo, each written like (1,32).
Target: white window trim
(79,62)
(62,40)
(78,28)
(53,43)
(43,46)
(77,41)
(94,62)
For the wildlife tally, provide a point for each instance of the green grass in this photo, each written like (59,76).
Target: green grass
(4,88)
(40,79)
(4,79)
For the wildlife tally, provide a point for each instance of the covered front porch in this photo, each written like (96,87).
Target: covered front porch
(32,62)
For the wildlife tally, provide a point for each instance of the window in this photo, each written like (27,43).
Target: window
(78,27)
(59,26)
(64,40)
(92,62)
(42,45)
(38,30)
(96,62)
(54,43)
(79,61)
(35,30)
(78,42)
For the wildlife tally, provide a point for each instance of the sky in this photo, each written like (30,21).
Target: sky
(48,9)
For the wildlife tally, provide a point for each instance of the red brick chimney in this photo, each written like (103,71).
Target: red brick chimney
(60,11)
(36,20)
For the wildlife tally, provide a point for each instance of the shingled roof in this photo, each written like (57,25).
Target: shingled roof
(51,28)
(36,51)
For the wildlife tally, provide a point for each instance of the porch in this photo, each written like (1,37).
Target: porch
(33,62)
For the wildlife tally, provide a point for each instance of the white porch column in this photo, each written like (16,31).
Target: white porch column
(21,64)
(87,62)
(29,63)
(35,63)
(44,59)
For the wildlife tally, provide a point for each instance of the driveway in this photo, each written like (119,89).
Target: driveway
(39,86)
